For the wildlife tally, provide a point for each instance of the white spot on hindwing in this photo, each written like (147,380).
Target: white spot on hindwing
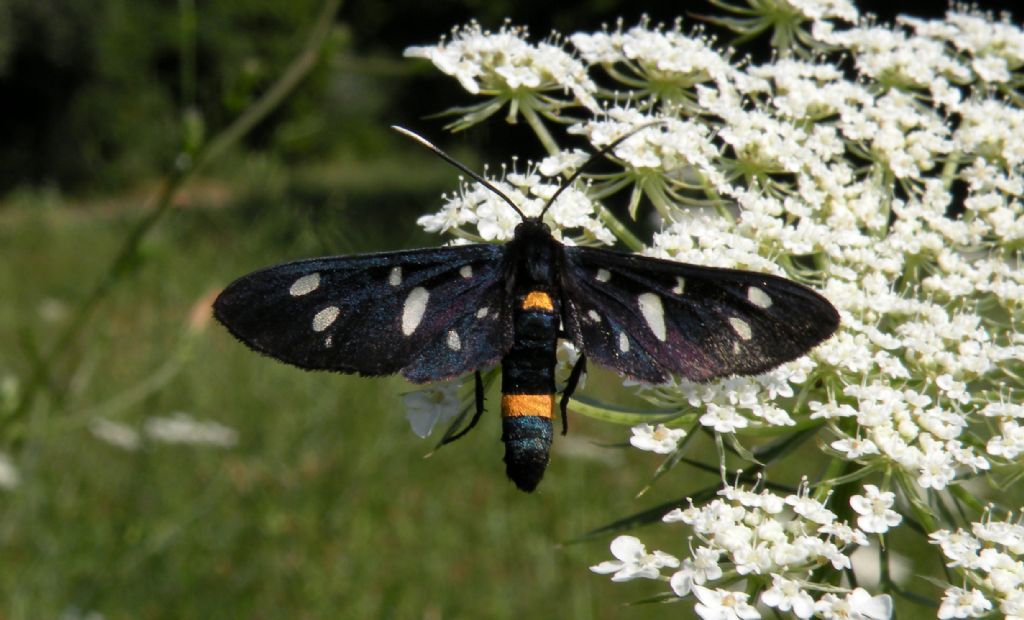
(759,298)
(594,316)
(623,342)
(603,275)
(741,327)
(653,313)
(453,340)
(482,312)
(325,317)
(328,342)
(395,277)
(305,285)
(680,285)
(466,272)
(413,309)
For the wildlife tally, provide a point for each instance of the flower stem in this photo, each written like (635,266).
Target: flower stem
(537,125)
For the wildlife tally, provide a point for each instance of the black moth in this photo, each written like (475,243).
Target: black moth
(436,314)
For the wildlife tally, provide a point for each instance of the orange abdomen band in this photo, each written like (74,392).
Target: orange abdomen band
(514,405)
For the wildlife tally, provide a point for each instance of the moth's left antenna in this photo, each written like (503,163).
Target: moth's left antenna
(458,164)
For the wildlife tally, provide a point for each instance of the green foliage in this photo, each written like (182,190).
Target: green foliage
(100,93)
(324,509)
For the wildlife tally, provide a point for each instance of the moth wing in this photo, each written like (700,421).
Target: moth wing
(430,314)
(648,318)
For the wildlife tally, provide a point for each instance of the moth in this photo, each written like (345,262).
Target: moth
(437,314)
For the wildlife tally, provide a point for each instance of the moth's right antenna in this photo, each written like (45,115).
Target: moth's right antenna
(604,151)
(458,164)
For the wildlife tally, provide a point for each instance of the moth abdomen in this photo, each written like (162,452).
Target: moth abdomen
(527,439)
(528,388)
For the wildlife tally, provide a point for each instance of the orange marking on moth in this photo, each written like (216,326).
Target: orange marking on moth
(538,300)
(513,405)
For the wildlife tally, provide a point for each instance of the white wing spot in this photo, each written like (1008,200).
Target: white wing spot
(482,312)
(680,286)
(413,308)
(305,285)
(453,340)
(741,327)
(735,348)
(325,317)
(466,272)
(594,316)
(654,314)
(623,342)
(603,275)
(328,342)
(759,298)
(395,277)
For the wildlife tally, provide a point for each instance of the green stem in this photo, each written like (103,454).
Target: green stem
(618,229)
(918,507)
(537,125)
(164,198)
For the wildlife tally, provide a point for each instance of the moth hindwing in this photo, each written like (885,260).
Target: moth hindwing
(649,318)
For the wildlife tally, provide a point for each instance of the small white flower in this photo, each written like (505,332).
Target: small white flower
(721,604)
(723,419)
(633,561)
(959,547)
(855,447)
(808,507)
(874,510)
(704,567)
(786,594)
(857,605)
(961,603)
(428,407)
(660,439)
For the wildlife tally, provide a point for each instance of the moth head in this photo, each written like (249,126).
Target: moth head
(532,227)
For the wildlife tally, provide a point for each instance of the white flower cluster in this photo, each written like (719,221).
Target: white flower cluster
(506,64)
(494,220)
(991,556)
(748,533)
(897,191)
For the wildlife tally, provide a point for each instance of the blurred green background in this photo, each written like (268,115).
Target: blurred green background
(322,506)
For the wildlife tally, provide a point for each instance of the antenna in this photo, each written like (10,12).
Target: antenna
(604,151)
(451,160)
(482,181)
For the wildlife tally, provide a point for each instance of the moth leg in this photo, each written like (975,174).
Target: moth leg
(570,386)
(479,391)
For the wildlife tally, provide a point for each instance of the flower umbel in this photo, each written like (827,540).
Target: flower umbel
(880,164)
